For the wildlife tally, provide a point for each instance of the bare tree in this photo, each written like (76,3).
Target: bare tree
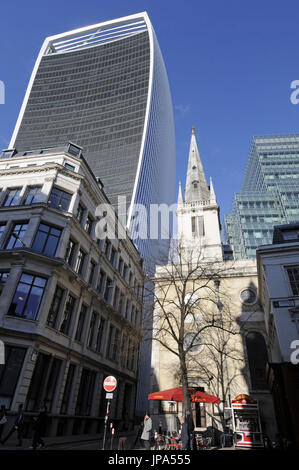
(186,312)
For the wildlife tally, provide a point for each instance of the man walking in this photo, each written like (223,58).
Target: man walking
(40,428)
(18,426)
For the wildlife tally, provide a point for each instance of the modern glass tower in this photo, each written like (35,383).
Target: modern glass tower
(269,195)
(105,88)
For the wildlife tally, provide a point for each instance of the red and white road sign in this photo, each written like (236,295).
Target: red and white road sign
(110,383)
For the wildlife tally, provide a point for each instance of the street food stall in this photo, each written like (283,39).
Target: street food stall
(246,422)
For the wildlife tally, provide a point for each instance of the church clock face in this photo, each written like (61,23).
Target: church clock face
(195,340)
(248,296)
(191,299)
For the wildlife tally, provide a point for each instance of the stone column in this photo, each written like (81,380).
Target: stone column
(9,289)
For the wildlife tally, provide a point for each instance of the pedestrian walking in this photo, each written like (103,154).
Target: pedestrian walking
(146,433)
(190,426)
(40,428)
(3,419)
(137,441)
(18,426)
(185,436)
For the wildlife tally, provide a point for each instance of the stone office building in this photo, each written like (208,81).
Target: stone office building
(70,303)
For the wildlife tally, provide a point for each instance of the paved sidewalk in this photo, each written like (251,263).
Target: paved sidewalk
(54,443)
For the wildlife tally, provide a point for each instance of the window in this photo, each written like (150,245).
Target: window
(113,343)
(81,321)
(290,235)
(43,385)
(68,313)
(80,262)
(32,195)
(116,298)
(80,212)
(70,251)
(120,266)
(92,270)
(28,296)
(55,306)
(113,256)
(74,150)
(68,389)
(12,197)
(8,153)
(9,373)
(16,235)
(293,273)
(85,394)
(59,199)
(108,289)
(121,304)
(46,239)
(69,167)
(91,330)
(128,309)
(125,272)
(107,248)
(2,229)
(100,335)
(88,224)
(101,283)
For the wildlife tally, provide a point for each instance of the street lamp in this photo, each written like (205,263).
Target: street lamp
(220,308)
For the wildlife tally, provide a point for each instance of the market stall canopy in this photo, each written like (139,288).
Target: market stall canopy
(176,394)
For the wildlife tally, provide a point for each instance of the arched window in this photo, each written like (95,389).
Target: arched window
(257,358)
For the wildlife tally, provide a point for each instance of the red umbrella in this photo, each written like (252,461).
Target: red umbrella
(176,394)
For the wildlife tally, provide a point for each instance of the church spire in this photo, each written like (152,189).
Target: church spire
(180,196)
(196,186)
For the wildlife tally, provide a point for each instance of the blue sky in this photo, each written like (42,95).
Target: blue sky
(230,65)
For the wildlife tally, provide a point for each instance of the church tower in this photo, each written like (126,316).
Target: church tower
(198,213)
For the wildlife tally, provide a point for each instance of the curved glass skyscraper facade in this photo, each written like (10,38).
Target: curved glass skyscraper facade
(106,89)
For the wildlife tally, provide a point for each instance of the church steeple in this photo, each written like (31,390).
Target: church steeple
(198,213)
(196,185)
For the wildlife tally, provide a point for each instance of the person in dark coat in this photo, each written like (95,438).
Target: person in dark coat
(18,426)
(185,436)
(40,428)
(3,419)
(190,426)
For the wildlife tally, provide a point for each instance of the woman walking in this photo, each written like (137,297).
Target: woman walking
(146,433)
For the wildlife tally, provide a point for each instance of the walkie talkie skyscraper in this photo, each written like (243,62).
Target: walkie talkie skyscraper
(105,87)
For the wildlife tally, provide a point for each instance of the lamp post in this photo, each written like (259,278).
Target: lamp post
(220,308)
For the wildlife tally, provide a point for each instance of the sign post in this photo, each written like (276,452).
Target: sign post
(109,385)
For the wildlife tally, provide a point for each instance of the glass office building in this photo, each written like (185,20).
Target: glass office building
(269,195)
(105,88)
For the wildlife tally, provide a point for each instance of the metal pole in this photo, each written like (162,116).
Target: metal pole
(106,422)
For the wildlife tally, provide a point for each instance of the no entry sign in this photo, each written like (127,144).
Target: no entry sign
(110,383)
